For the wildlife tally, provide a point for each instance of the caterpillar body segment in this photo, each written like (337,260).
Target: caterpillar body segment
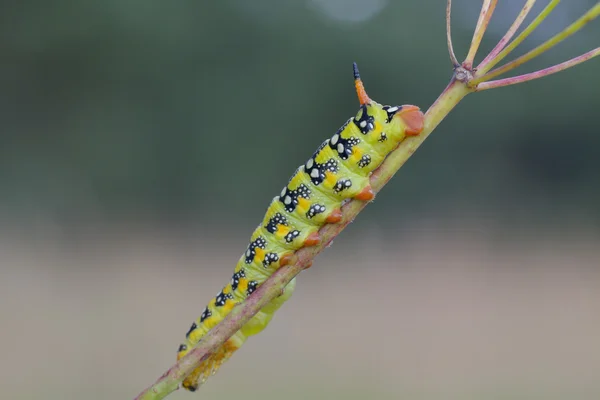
(252,327)
(337,171)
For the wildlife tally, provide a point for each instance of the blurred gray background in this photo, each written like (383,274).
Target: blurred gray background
(142,141)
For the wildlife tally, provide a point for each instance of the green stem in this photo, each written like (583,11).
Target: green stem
(487,10)
(547,45)
(453,59)
(491,59)
(274,285)
(513,80)
(518,40)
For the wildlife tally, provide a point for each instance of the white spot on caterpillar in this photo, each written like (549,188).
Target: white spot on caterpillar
(335,138)
(287,200)
(309,163)
(392,109)
(363,124)
(315,173)
(340,148)
(283,191)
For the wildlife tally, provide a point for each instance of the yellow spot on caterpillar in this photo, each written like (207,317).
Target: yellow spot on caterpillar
(211,322)
(227,289)
(243,285)
(295,182)
(282,230)
(330,180)
(356,154)
(197,333)
(229,304)
(260,254)
(303,205)
(377,130)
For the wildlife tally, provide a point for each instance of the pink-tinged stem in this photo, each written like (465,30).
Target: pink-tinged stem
(453,59)
(570,30)
(483,66)
(538,74)
(487,10)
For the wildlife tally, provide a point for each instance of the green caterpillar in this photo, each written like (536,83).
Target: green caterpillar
(337,171)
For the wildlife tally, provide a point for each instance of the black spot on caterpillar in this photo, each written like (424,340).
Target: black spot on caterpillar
(337,171)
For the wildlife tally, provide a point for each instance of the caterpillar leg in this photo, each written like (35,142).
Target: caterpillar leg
(334,217)
(366,194)
(313,239)
(259,322)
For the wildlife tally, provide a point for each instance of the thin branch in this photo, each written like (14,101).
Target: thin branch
(483,67)
(526,32)
(453,59)
(547,45)
(487,10)
(539,74)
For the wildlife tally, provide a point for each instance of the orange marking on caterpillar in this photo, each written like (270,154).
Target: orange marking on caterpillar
(356,154)
(313,239)
(285,259)
(378,128)
(413,119)
(334,217)
(363,97)
(229,304)
(330,179)
(303,205)
(243,285)
(260,254)
(366,194)
(282,230)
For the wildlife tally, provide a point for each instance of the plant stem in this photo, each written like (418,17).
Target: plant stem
(530,28)
(489,61)
(273,286)
(487,10)
(538,74)
(571,29)
(465,81)
(170,380)
(453,59)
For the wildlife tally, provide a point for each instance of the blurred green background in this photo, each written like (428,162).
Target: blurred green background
(142,141)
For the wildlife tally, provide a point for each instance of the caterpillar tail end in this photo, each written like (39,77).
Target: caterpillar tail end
(210,366)
(413,119)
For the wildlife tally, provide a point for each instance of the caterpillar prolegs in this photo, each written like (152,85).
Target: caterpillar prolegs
(337,171)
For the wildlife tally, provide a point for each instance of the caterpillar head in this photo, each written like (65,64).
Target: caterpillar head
(397,121)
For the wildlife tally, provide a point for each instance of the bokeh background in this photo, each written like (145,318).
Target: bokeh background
(140,143)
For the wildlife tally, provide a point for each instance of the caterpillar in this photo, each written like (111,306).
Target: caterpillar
(339,170)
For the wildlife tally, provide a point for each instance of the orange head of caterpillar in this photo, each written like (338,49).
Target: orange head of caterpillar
(412,119)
